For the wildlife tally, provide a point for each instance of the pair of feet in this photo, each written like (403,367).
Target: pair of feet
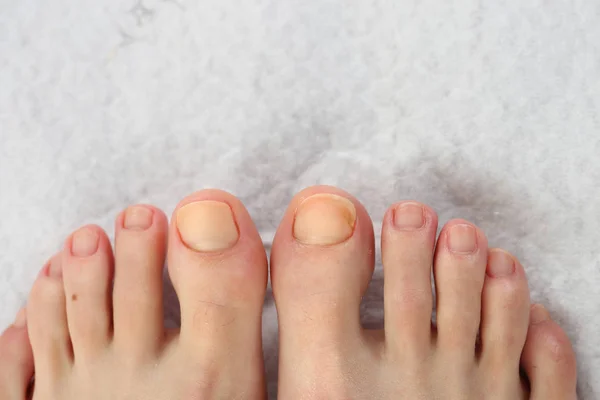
(93,326)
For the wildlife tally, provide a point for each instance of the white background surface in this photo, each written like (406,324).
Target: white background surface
(486,110)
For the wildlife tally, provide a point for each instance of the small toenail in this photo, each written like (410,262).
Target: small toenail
(500,264)
(207,226)
(409,216)
(462,239)
(54,269)
(21,319)
(538,314)
(85,242)
(138,218)
(324,219)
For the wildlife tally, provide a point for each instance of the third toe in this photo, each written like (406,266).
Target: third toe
(459,269)
(87,263)
(505,311)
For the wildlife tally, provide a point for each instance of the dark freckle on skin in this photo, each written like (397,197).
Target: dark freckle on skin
(74,297)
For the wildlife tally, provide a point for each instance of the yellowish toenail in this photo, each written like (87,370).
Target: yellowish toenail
(500,264)
(409,216)
(85,242)
(324,219)
(207,226)
(21,319)
(462,239)
(538,314)
(138,218)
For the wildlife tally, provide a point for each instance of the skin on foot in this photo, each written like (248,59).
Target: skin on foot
(94,340)
(90,339)
(485,333)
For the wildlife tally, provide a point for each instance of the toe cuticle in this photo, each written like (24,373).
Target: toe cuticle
(138,218)
(409,216)
(84,242)
(324,219)
(500,264)
(462,239)
(207,226)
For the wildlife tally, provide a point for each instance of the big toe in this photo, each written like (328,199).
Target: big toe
(16,360)
(218,267)
(321,263)
(548,359)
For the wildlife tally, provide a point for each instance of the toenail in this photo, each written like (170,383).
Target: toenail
(409,216)
(207,226)
(538,314)
(21,319)
(54,268)
(138,218)
(324,219)
(85,242)
(462,239)
(500,264)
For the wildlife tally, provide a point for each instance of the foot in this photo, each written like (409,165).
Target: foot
(95,339)
(486,336)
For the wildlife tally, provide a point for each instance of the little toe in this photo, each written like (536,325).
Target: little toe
(87,273)
(16,360)
(218,266)
(47,324)
(548,359)
(504,319)
(321,263)
(459,268)
(408,240)
(140,249)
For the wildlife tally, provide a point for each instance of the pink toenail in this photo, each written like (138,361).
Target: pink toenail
(500,264)
(138,218)
(409,216)
(85,242)
(462,239)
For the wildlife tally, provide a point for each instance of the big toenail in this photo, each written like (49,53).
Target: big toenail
(85,242)
(409,216)
(462,239)
(207,226)
(21,319)
(500,264)
(538,314)
(324,219)
(138,218)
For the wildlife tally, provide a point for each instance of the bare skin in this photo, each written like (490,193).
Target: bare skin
(88,339)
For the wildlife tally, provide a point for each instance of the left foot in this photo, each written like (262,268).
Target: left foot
(92,340)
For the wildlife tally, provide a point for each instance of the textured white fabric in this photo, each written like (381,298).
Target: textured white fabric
(486,110)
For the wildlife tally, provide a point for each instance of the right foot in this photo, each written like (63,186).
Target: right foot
(322,261)
(91,340)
